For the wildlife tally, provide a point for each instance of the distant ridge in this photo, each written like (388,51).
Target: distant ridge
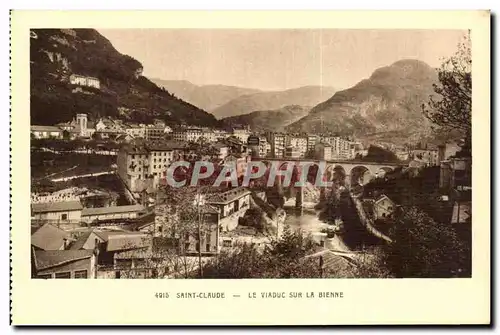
(262,101)
(207,97)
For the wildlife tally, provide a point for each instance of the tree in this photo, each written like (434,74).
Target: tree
(424,248)
(379,154)
(450,111)
(283,258)
(180,218)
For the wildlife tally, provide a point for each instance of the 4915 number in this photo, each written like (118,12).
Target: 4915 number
(160,295)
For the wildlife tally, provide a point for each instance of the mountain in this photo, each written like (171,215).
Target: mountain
(57,55)
(269,120)
(302,96)
(384,107)
(207,97)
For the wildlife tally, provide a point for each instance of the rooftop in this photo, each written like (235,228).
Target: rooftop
(49,237)
(62,206)
(47,259)
(167,145)
(45,128)
(112,210)
(333,260)
(105,234)
(80,242)
(117,242)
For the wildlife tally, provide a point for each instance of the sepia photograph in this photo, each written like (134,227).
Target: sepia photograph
(250,153)
(312,167)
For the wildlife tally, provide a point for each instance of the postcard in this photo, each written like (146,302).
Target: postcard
(250,168)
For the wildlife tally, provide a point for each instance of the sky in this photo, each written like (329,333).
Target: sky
(278,59)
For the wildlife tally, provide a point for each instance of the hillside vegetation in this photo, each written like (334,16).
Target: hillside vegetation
(124,93)
(269,120)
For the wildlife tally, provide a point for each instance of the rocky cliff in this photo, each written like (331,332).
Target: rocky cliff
(386,106)
(79,71)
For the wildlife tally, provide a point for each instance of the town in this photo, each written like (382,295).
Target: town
(109,220)
(135,177)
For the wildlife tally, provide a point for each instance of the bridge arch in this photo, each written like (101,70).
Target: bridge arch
(361,175)
(380,173)
(336,173)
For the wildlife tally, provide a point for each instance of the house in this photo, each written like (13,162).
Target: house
(57,212)
(383,207)
(232,205)
(55,264)
(49,237)
(124,254)
(39,132)
(95,215)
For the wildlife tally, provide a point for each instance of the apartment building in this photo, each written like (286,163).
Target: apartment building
(278,143)
(299,143)
(150,161)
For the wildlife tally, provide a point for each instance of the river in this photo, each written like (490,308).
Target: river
(309,222)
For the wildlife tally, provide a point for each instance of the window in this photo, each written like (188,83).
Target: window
(124,263)
(64,216)
(133,156)
(207,247)
(81,274)
(63,275)
(197,246)
(160,229)
(154,166)
(47,276)
(186,246)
